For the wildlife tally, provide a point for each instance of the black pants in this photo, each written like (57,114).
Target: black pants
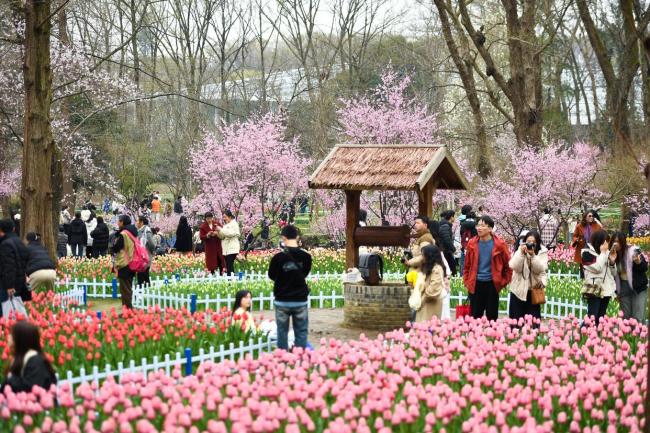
(597,307)
(485,300)
(143,278)
(519,308)
(230,263)
(99,252)
(125,278)
(89,251)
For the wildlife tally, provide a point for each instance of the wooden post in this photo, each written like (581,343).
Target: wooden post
(352,203)
(425,199)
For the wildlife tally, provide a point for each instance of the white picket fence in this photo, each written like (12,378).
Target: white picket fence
(103,289)
(168,362)
(554,308)
(145,297)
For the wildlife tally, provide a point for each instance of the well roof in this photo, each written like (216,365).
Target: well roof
(387,167)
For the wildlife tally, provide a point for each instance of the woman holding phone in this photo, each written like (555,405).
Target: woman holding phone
(582,236)
(630,267)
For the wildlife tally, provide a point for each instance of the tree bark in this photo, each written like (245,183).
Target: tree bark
(466,72)
(39,149)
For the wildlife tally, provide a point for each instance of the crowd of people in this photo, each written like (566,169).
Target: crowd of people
(609,266)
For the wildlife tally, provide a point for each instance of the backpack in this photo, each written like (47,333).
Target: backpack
(467,232)
(140,259)
(371,267)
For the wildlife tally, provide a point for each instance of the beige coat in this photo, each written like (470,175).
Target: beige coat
(432,290)
(230,240)
(601,271)
(527,272)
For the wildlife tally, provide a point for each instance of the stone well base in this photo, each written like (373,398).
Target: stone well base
(383,307)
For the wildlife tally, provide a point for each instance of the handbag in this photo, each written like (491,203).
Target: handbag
(593,288)
(14,308)
(537,293)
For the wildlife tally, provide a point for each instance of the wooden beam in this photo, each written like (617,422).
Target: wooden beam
(425,198)
(352,204)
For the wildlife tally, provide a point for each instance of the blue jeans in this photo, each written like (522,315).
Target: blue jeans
(300,320)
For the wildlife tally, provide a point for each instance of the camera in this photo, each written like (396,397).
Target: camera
(406,256)
(530,246)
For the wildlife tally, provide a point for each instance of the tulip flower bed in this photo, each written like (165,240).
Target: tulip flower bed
(642,242)
(324,261)
(457,376)
(76,339)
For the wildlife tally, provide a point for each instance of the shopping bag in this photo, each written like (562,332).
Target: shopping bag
(464,309)
(13,308)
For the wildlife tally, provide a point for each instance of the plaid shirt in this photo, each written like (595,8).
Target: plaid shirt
(548,226)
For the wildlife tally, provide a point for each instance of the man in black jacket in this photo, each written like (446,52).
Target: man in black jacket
(100,238)
(446,235)
(78,236)
(13,260)
(288,270)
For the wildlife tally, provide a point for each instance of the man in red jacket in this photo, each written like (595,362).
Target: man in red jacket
(486,269)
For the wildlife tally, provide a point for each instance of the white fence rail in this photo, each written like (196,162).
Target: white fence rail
(554,308)
(169,362)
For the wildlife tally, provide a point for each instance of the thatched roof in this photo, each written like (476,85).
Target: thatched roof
(387,167)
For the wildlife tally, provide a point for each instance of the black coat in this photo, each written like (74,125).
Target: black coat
(38,258)
(640,275)
(100,237)
(35,373)
(446,236)
(62,244)
(183,239)
(13,262)
(78,233)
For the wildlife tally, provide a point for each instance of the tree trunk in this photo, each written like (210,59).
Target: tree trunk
(39,149)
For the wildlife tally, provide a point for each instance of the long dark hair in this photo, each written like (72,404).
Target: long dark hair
(26,337)
(432,256)
(238,297)
(597,239)
(182,222)
(538,239)
(583,222)
(621,239)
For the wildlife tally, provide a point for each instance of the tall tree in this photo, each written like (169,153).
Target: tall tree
(464,63)
(39,149)
(618,71)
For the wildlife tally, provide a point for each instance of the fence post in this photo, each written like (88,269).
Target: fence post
(178,277)
(193,303)
(241,275)
(85,296)
(99,315)
(114,283)
(188,361)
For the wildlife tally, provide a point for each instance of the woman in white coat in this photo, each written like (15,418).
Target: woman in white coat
(229,235)
(600,269)
(529,265)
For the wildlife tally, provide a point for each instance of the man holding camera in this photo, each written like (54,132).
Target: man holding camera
(486,269)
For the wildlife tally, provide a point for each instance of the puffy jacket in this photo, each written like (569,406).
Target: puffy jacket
(527,271)
(38,258)
(446,237)
(640,272)
(501,272)
(13,260)
(100,236)
(598,269)
(230,241)
(78,233)
(62,244)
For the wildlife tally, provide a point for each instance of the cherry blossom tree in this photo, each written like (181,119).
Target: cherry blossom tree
(562,178)
(250,168)
(388,116)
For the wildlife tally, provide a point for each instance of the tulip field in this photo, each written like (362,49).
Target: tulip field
(324,261)
(78,339)
(457,376)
